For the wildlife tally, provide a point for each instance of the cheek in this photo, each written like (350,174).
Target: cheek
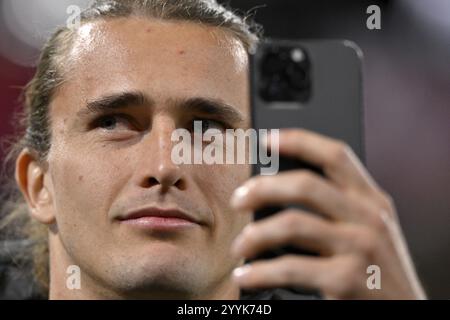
(217,184)
(85,185)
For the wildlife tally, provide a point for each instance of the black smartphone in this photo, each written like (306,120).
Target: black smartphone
(315,85)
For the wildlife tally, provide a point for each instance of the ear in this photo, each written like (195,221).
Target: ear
(30,179)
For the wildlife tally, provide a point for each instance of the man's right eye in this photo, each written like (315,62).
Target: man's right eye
(113,122)
(108,122)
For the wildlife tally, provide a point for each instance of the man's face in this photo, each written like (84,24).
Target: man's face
(106,163)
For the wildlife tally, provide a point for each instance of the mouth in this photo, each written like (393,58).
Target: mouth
(154,218)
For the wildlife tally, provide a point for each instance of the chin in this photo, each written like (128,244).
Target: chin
(161,276)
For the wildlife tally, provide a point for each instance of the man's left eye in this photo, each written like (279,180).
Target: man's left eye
(211,124)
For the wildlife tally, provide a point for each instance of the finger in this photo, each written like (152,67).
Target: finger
(289,227)
(297,187)
(289,270)
(337,160)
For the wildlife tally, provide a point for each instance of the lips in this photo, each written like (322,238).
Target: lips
(162,214)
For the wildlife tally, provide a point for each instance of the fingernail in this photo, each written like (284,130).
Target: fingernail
(241,272)
(238,197)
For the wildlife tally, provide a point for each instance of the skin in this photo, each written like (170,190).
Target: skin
(93,174)
(357,228)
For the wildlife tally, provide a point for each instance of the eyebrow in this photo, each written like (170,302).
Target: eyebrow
(212,107)
(115,101)
(203,105)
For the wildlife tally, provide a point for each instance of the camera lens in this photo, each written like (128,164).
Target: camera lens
(296,76)
(284,74)
(273,64)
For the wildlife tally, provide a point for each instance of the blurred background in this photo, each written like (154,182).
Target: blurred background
(406,93)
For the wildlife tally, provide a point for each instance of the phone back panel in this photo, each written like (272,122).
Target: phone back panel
(332,105)
(335,105)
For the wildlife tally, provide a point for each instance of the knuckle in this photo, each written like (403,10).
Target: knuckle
(386,201)
(339,153)
(356,266)
(291,221)
(337,288)
(288,272)
(378,223)
(376,219)
(345,241)
(305,182)
(307,178)
(365,241)
(350,277)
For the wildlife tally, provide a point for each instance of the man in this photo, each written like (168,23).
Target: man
(95,169)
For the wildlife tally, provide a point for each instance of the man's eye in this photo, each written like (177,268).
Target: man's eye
(210,124)
(111,122)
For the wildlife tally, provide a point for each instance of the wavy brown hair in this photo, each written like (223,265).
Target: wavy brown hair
(33,123)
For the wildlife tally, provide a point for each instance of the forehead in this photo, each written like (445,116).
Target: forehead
(162,58)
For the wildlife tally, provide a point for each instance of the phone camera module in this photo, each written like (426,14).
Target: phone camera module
(285,75)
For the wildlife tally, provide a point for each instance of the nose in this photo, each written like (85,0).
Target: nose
(158,169)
